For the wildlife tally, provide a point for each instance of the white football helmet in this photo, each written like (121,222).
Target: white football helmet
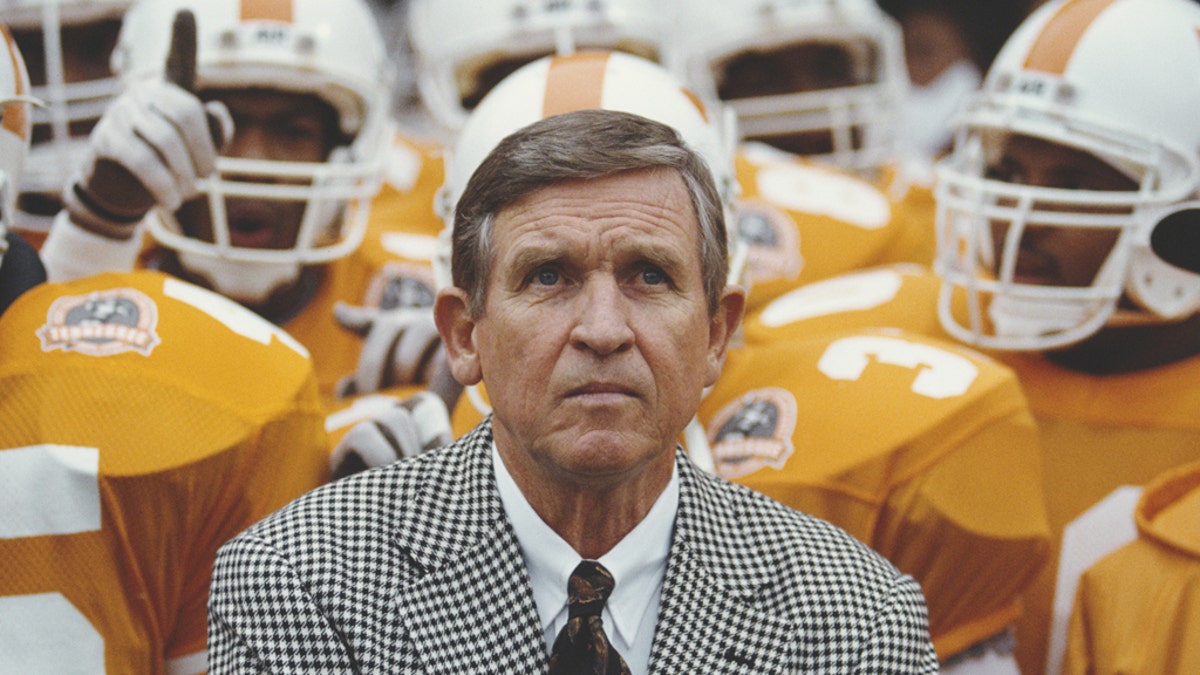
(15,130)
(752,55)
(588,80)
(464,47)
(333,50)
(1119,81)
(67,44)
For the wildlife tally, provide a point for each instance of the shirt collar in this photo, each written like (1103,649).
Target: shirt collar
(638,562)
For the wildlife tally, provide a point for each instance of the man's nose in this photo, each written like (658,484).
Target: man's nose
(249,142)
(602,323)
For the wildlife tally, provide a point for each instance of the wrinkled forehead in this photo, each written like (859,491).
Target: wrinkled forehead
(647,208)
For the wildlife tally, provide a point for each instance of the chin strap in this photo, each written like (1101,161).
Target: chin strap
(244,281)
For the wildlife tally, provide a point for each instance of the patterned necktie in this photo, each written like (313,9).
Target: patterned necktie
(581,646)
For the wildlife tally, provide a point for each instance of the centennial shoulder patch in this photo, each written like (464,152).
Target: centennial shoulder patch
(102,323)
(752,432)
(401,285)
(772,239)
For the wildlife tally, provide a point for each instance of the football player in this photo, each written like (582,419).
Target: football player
(249,152)
(818,87)
(144,422)
(1081,144)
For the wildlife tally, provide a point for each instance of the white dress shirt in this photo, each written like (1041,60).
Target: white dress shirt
(637,563)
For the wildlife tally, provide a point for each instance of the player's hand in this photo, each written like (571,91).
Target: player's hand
(150,147)
(414,425)
(400,347)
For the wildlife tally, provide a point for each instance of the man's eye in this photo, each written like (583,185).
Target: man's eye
(1004,172)
(299,132)
(546,277)
(653,277)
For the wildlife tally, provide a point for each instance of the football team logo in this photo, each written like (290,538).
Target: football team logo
(400,286)
(753,432)
(773,242)
(102,323)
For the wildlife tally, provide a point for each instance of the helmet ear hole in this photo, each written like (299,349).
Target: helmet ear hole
(1176,237)
(1163,275)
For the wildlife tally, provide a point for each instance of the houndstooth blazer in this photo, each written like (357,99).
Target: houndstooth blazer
(414,568)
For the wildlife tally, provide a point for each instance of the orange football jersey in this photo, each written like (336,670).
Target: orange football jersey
(922,449)
(1138,609)
(144,422)
(1101,436)
(898,296)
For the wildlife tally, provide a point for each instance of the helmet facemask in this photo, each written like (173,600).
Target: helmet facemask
(273,207)
(1035,268)
(67,45)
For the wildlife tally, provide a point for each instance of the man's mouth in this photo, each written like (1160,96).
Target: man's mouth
(251,225)
(1036,269)
(600,391)
(250,234)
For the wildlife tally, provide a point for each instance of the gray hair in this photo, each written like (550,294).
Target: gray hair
(580,145)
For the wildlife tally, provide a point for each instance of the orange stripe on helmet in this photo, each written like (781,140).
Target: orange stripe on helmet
(1052,50)
(575,82)
(267,10)
(15,118)
(691,96)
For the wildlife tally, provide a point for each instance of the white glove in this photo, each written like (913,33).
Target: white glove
(149,147)
(414,425)
(401,347)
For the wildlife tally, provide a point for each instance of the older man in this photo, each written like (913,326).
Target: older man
(569,530)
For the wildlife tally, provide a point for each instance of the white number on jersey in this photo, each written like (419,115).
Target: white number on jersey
(940,374)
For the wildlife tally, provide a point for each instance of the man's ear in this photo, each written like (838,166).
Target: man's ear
(722,328)
(457,329)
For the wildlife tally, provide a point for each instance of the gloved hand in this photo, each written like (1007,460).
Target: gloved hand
(414,425)
(149,147)
(401,347)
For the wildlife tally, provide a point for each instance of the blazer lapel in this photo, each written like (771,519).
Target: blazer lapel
(472,609)
(475,614)
(708,620)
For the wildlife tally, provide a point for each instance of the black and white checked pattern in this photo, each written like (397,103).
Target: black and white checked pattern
(413,568)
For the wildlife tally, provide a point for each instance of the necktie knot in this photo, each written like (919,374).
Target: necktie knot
(588,589)
(581,647)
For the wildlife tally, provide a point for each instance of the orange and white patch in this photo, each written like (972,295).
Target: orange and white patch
(773,241)
(102,323)
(401,285)
(753,432)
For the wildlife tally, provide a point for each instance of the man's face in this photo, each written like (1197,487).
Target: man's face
(268,125)
(595,342)
(1058,256)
